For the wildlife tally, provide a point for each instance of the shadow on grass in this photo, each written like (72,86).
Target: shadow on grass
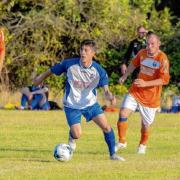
(90,152)
(24,150)
(35,160)
(48,151)
(29,159)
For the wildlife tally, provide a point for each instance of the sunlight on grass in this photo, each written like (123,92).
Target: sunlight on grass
(28,139)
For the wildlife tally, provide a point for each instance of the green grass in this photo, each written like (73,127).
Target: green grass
(27,140)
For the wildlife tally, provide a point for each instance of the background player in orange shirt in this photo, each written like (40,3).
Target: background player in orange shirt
(145,91)
(2,48)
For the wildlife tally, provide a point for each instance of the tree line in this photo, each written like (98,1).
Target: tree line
(40,33)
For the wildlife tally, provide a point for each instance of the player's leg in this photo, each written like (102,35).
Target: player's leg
(73,117)
(96,114)
(74,134)
(122,126)
(147,115)
(128,106)
(145,130)
(109,136)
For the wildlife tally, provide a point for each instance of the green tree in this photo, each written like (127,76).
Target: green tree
(40,33)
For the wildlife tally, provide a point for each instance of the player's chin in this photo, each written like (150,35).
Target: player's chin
(151,52)
(83,58)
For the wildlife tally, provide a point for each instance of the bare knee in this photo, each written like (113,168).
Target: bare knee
(76,133)
(106,128)
(101,121)
(145,127)
(124,112)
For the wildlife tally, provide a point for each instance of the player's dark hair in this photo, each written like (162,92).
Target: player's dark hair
(88,42)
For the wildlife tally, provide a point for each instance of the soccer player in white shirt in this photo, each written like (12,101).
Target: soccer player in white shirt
(83,76)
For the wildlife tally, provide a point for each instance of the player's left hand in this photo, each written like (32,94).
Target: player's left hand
(140,83)
(113,100)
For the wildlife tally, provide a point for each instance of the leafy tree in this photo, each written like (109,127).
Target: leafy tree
(40,33)
(172,49)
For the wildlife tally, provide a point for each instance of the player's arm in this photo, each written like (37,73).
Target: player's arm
(2,56)
(142,83)
(163,78)
(2,49)
(108,94)
(39,79)
(130,69)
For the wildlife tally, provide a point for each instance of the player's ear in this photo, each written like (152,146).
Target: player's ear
(159,44)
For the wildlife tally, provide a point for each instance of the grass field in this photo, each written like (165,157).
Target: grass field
(27,140)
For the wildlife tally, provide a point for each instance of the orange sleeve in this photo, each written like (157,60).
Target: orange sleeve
(136,60)
(164,70)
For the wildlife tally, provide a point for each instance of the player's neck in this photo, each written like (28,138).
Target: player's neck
(153,54)
(86,64)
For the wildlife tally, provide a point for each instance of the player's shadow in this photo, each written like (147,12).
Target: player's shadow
(32,159)
(24,150)
(36,160)
(89,152)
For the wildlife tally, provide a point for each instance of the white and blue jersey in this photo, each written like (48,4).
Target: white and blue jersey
(81,82)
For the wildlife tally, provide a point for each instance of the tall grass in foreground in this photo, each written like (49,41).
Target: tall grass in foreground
(27,140)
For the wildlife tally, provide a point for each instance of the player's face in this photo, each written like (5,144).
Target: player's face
(86,53)
(153,45)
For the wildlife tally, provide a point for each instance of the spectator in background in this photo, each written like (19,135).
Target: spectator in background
(176,104)
(134,46)
(2,48)
(34,98)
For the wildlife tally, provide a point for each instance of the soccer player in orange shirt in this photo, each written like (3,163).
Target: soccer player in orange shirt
(2,48)
(145,91)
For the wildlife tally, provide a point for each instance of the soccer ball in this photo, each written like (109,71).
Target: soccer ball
(63,152)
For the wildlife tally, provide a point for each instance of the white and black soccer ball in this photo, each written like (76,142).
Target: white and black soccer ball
(63,152)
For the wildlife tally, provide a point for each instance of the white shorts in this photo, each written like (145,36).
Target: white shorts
(147,114)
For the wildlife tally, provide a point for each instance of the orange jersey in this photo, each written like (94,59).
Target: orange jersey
(151,68)
(2,43)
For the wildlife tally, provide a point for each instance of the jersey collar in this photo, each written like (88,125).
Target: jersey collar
(83,66)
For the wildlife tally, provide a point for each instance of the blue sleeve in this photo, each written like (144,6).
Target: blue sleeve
(103,75)
(103,78)
(58,69)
